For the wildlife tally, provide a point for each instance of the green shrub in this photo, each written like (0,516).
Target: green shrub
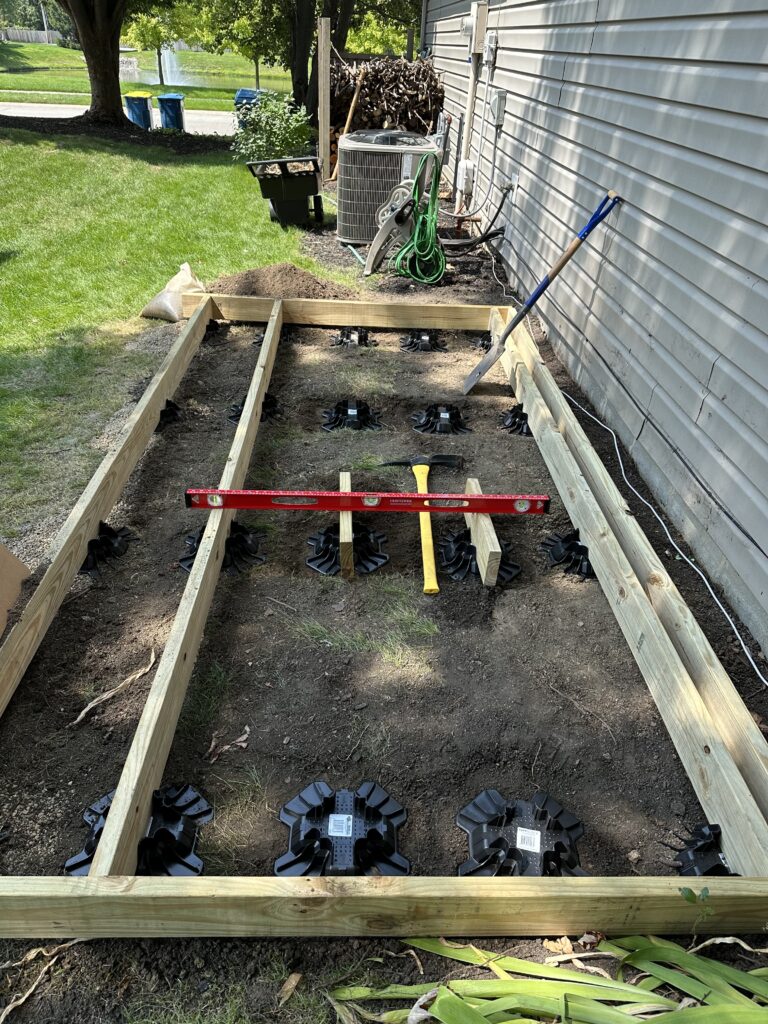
(271,129)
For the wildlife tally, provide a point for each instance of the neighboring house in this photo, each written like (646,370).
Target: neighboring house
(662,317)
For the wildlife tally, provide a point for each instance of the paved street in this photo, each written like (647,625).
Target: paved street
(201,122)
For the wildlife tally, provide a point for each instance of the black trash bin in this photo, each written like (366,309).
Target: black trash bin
(289,183)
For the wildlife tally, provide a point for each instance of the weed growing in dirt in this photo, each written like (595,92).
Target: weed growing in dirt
(216,1007)
(394,626)
(206,691)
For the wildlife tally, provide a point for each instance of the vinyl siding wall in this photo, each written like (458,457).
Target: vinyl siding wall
(662,317)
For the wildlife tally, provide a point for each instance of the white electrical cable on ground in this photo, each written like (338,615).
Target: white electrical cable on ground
(677,548)
(634,490)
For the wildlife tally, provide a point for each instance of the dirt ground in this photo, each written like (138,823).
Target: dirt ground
(524,687)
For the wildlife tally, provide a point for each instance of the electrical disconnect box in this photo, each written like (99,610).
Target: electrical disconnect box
(490,46)
(498,106)
(473,28)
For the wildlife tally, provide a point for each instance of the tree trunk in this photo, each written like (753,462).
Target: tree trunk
(160,64)
(302,34)
(258,76)
(98,25)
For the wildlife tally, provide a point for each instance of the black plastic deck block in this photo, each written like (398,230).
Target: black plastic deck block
(341,832)
(270,409)
(241,549)
(353,337)
(567,551)
(534,837)
(168,848)
(352,414)
(701,853)
(170,413)
(109,543)
(515,421)
(482,341)
(440,419)
(458,558)
(367,548)
(423,341)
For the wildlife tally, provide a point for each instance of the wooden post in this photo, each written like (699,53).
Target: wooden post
(71,543)
(144,766)
(740,732)
(346,551)
(350,115)
(487,547)
(409,34)
(716,780)
(324,94)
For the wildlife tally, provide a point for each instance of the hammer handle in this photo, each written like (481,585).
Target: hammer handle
(427,544)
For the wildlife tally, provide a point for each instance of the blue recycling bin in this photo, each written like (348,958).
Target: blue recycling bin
(247,98)
(171,106)
(138,107)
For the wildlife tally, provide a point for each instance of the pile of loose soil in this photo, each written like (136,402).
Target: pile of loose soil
(280,281)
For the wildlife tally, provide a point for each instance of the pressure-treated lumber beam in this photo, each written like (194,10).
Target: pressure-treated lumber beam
(337,313)
(487,547)
(346,550)
(143,769)
(71,543)
(714,775)
(324,95)
(740,732)
(63,908)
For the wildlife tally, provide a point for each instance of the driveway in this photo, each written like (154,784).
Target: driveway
(200,122)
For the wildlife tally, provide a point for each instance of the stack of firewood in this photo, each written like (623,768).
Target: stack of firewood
(395,93)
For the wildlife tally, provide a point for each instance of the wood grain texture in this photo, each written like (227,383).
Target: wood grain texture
(63,908)
(144,766)
(344,313)
(71,543)
(740,733)
(346,550)
(324,94)
(714,775)
(487,546)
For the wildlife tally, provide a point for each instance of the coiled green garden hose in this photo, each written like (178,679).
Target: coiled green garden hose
(422,257)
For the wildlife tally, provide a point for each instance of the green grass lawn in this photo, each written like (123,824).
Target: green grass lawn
(28,69)
(92,229)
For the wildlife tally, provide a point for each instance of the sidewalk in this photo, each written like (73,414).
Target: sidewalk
(199,122)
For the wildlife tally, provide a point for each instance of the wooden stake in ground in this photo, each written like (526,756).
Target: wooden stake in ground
(487,547)
(346,551)
(351,114)
(324,93)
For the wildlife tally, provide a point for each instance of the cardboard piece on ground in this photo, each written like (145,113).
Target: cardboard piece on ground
(13,572)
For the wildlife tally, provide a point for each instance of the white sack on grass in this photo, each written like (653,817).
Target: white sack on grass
(166,305)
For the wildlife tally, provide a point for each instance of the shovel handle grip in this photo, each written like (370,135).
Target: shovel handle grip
(427,543)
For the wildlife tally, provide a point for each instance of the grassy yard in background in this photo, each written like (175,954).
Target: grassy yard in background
(92,229)
(28,70)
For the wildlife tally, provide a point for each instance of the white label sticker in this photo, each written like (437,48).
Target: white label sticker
(406,166)
(341,825)
(529,839)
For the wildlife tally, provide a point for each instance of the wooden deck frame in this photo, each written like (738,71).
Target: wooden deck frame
(679,666)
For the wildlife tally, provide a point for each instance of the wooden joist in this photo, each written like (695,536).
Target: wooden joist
(144,766)
(487,547)
(71,543)
(740,732)
(714,775)
(344,313)
(346,551)
(62,908)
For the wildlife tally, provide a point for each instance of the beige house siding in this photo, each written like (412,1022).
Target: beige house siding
(662,318)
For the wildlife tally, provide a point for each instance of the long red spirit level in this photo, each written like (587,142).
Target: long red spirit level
(368,501)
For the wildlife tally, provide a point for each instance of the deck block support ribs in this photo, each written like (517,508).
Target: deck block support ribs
(487,546)
(346,549)
(144,766)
